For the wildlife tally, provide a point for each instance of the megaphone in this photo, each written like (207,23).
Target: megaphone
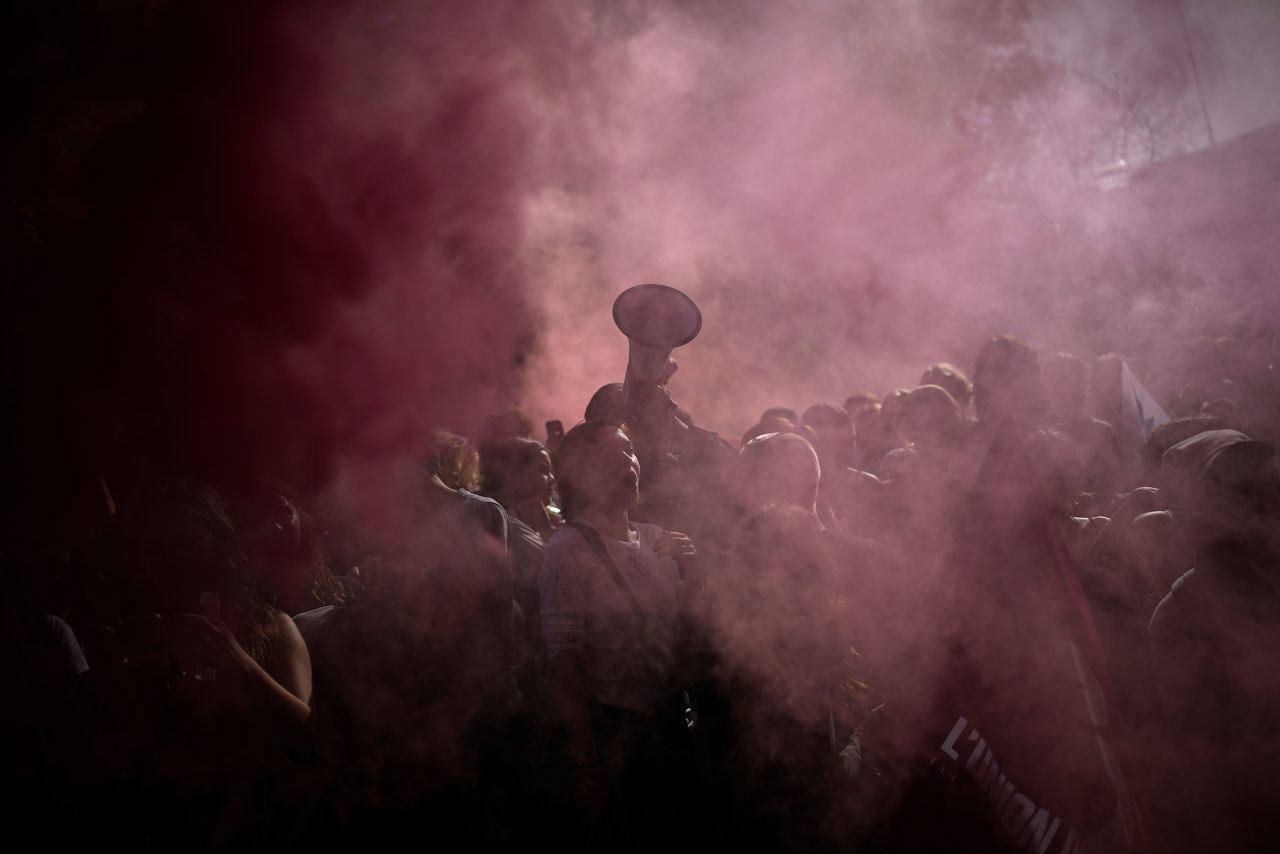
(656,319)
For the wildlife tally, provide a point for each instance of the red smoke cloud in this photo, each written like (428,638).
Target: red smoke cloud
(284,239)
(295,230)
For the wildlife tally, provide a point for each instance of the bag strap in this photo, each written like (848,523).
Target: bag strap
(592,536)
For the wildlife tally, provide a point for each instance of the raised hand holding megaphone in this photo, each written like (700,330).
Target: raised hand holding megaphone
(681,465)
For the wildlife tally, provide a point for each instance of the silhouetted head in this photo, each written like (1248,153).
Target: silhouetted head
(517,470)
(771,425)
(1224,489)
(596,467)
(930,418)
(855,403)
(948,376)
(284,547)
(1006,382)
(1164,436)
(780,468)
(781,412)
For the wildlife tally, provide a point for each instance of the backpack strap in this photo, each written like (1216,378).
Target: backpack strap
(592,536)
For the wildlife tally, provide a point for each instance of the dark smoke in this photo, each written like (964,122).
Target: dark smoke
(272,240)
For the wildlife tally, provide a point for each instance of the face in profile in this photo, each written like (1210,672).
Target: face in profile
(610,475)
(537,481)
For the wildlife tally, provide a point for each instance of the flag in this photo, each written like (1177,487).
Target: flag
(1140,411)
(1021,728)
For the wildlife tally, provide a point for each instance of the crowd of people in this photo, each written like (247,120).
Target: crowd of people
(1010,611)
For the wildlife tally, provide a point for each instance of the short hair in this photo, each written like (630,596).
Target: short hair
(1004,358)
(780,412)
(947,376)
(1004,363)
(768,425)
(859,401)
(829,416)
(934,407)
(786,464)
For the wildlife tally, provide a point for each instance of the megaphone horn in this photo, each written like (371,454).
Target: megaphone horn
(656,319)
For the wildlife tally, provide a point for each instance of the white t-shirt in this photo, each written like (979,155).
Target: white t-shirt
(627,659)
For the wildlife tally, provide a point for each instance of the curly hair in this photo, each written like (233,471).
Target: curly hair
(455,461)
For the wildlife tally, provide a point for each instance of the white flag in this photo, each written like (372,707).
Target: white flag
(1140,411)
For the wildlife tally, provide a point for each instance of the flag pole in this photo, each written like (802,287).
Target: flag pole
(1195,71)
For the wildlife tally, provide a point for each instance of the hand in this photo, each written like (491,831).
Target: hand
(674,545)
(202,642)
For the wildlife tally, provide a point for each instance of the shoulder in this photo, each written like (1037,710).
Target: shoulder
(1187,585)
(520,529)
(567,545)
(289,660)
(525,539)
(565,537)
(480,505)
(566,571)
(287,636)
(1170,622)
(486,511)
